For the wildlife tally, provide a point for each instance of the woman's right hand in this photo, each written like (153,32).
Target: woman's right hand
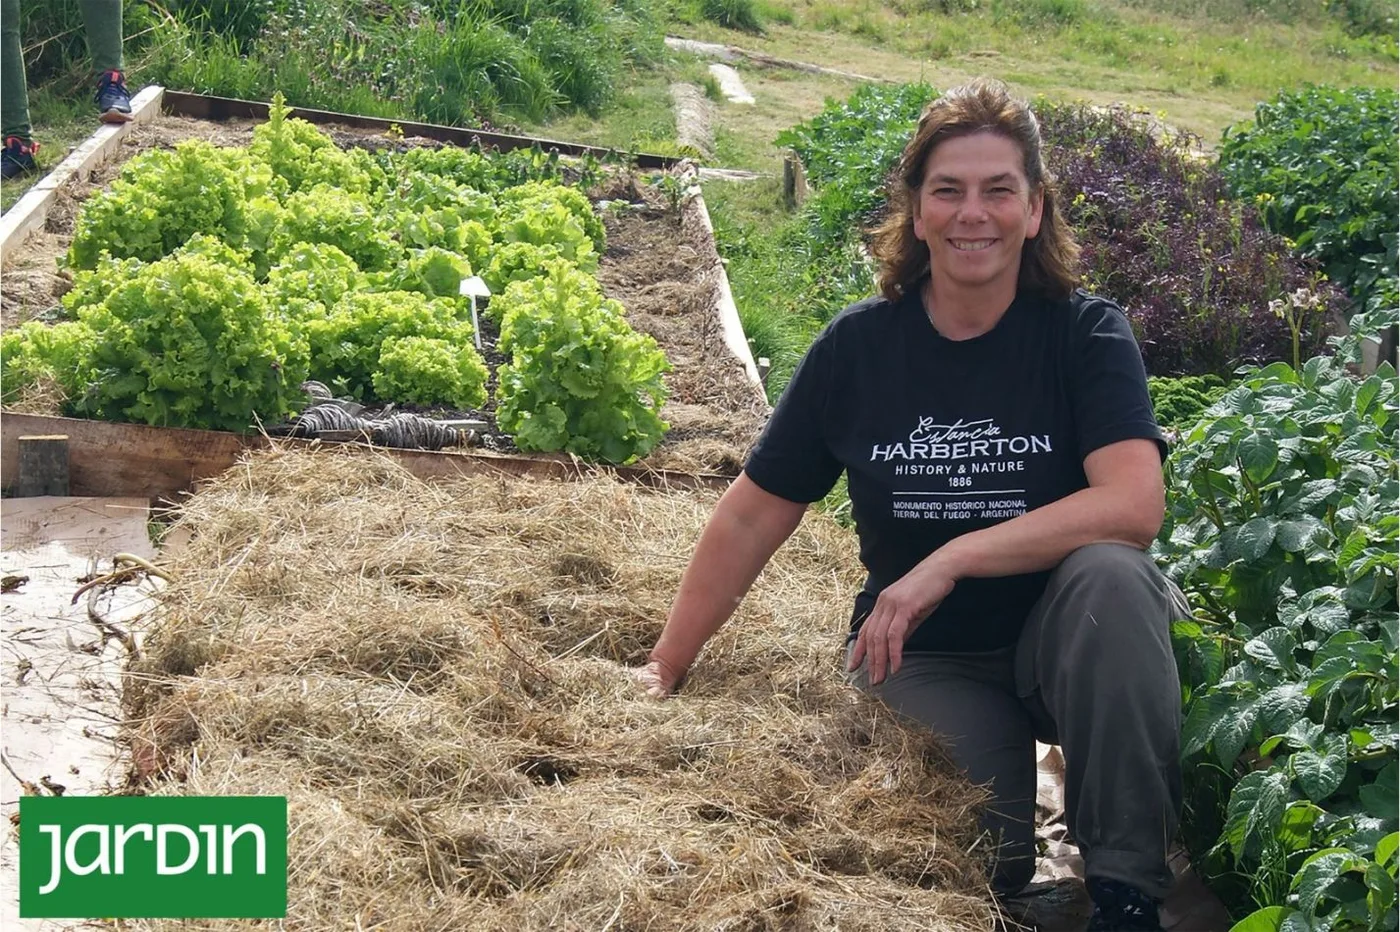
(656,679)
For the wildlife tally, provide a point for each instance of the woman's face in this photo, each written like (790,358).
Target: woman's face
(975,210)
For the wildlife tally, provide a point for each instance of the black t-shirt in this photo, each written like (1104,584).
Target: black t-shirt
(941,437)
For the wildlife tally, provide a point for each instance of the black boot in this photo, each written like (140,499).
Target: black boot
(1119,907)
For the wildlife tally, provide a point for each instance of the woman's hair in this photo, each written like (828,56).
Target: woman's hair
(1048,261)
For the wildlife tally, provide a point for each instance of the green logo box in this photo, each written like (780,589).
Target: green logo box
(153,857)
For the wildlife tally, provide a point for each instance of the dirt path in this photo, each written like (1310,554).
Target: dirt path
(62,677)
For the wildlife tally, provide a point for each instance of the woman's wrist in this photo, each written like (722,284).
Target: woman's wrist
(952,559)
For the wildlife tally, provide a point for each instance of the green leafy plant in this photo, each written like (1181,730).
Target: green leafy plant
(428,371)
(848,151)
(1282,530)
(90,286)
(554,225)
(303,156)
(516,262)
(349,222)
(36,357)
(1321,163)
(579,377)
(473,168)
(314,272)
(434,210)
(165,196)
(189,341)
(547,194)
(1180,402)
(434,272)
(347,343)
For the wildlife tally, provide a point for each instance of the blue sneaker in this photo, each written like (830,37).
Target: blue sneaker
(113,100)
(17,158)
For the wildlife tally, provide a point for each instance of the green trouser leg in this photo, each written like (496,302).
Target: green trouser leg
(103,21)
(14,96)
(1093,672)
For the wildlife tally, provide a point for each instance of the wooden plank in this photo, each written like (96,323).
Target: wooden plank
(31,210)
(107,459)
(43,466)
(206,107)
(693,210)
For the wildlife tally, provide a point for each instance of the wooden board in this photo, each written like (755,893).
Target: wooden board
(31,210)
(205,107)
(107,459)
(730,325)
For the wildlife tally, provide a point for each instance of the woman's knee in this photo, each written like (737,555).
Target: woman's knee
(1103,601)
(1112,572)
(1105,557)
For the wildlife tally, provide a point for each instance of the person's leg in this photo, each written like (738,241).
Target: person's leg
(17,154)
(1096,660)
(14,94)
(970,702)
(102,21)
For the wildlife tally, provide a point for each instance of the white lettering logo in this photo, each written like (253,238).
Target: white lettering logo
(961,440)
(64,853)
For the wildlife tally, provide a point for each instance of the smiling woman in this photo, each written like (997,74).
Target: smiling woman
(974,211)
(1004,468)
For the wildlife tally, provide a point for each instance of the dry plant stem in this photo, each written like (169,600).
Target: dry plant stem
(142,563)
(436,676)
(33,789)
(111,627)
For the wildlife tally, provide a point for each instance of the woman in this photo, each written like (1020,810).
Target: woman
(1005,476)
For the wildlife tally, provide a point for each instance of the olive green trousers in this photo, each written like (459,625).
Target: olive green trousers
(1093,672)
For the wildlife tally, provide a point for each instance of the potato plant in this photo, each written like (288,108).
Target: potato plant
(1282,530)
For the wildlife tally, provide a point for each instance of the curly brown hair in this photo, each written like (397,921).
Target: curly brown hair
(1048,261)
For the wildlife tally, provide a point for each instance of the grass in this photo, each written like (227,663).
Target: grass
(639,120)
(1202,76)
(749,218)
(67,122)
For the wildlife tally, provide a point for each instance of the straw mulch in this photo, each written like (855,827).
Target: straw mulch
(434,676)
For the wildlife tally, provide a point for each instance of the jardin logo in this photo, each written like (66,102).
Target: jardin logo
(153,857)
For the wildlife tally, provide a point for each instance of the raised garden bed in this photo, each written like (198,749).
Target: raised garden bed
(659,262)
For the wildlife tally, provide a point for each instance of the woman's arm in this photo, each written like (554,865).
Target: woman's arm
(748,525)
(1124,503)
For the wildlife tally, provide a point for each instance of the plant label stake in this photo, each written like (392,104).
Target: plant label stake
(475,288)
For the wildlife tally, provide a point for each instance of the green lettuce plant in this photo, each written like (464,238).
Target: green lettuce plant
(579,379)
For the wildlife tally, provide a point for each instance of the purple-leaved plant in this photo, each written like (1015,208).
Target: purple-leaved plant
(1195,270)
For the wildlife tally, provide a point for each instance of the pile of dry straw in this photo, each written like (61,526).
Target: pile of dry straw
(433,674)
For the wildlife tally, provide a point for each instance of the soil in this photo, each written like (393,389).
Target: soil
(660,263)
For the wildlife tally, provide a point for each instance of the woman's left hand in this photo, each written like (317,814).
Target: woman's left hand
(898,611)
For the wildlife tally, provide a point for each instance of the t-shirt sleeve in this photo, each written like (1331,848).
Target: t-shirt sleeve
(1111,402)
(792,458)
